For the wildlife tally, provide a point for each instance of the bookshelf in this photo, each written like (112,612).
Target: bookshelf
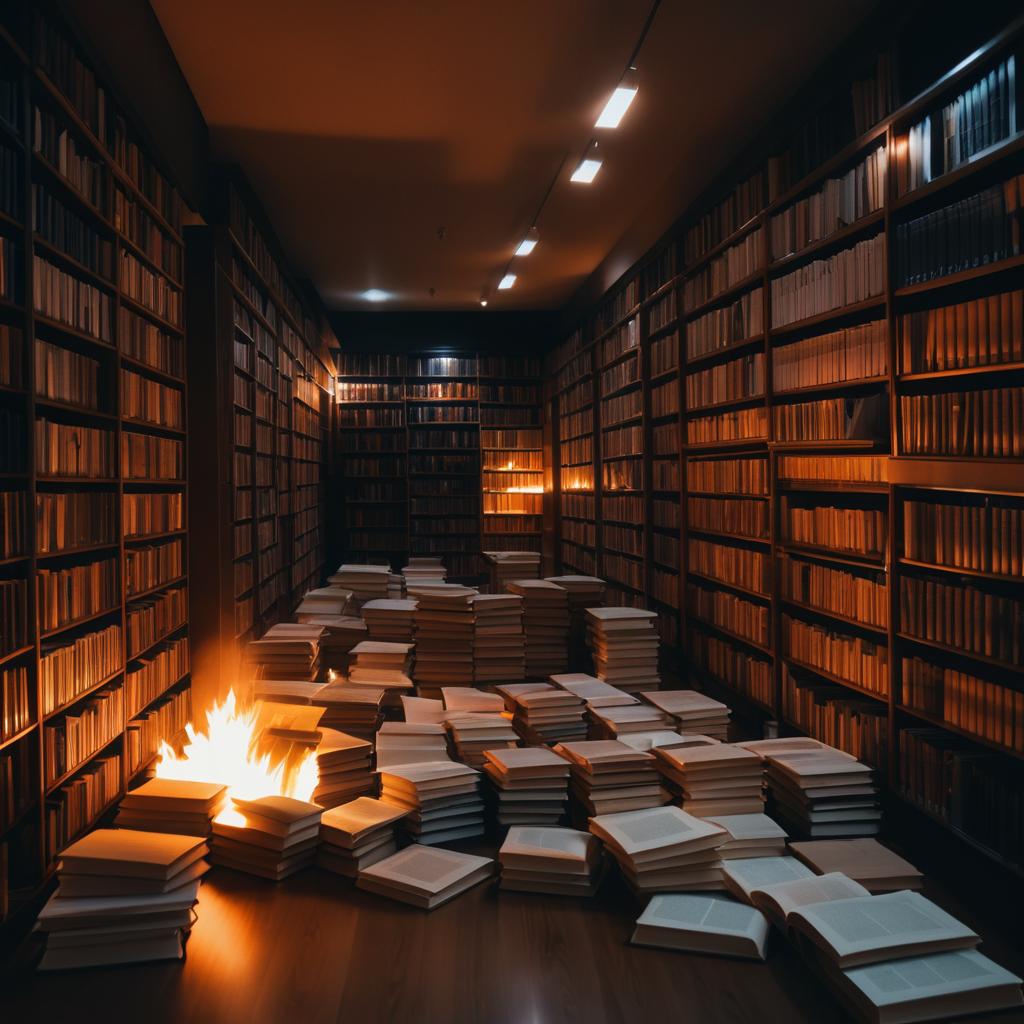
(442,455)
(94,583)
(850,380)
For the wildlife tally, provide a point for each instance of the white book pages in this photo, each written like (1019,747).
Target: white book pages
(700,920)
(780,899)
(744,875)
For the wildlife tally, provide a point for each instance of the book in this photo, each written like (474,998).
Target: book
(698,923)
(425,877)
(554,861)
(866,861)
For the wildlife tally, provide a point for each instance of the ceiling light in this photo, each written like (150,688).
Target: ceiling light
(619,101)
(483,302)
(528,244)
(586,172)
(506,282)
(374,295)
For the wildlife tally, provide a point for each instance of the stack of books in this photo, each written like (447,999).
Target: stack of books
(424,570)
(425,877)
(284,691)
(442,798)
(823,794)
(396,586)
(698,923)
(464,699)
(357,834)
(505,566)
(662,738)
(663,849)
(613,721)
(509,691)
(123,897)
(344,770)
(352,709)
(624,645)
(529,785)
(549,716)
(546,622)
(285,654)
(866,861)
(473,732)
(328,601)
(383,665)
(714,778)
(366,582)
(390,619)
(694,713)
(423,709)
(340,634)
(557,861)
(272,837)
(592,691)
(411,743)
(172,805)
(750,835)
(499,644)
(584,592)
(444,636)
(609,776)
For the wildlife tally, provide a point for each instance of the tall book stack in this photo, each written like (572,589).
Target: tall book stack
(529,785)
(584,592)
(357,834)
(555,861)
(444,636)
(350,709)
(624,644)
(385,666)
(390,619)
(714,779)
(442,798)
(272,837)
(546,623)
(610,776)
(694,713)
(366,582)
(476,733)
(406,743)
(505,566)
(343,768)
(550,715)
(499,643)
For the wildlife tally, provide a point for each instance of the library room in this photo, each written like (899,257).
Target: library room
(511,514)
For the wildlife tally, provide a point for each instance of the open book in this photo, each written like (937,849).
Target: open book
(702,924)
(779,900)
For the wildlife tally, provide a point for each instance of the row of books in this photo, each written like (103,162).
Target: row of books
(67,669)
(76,592)
(736,668)
(148,620)
(58,147)
(65,230)
(859,531)
(623,508)
(736,476)
(983,708)
(621,569)
(145,514)
(371,442)
(665,475)
(979,424)
(442,414)
(441,366)
(665,439)
(849,354)
(964,618)
(622,441)
(622,475)
(65,376)
(982,538)
(370,364)
(739,567)
(727,269)
(665,400)
(495,459)
(743,202)
(449,390)
(621,408)
(147,457)
(730,612)
(615,308)
(626,540)
(833,469)
(665,550)
(16,707)
(510,394)
(78,803)
(734,425)
(69,450)
(833,419)
(71,740)
(149,400)
(133,220)
(519,439)
(861,596)
(579,506)
(61,296)
(861,662)
(621,375)
(512,416)
(623,339)
(661,314)
(12,346)
(726,382)
(576,397)
(153,565)
(360,391)
(13,524)
(461,438)
(144,341)
(14,627)
(147,678)
(664,354)
(729,515)
(731,324)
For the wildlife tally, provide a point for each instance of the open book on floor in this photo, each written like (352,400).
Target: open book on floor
(780,899)
(424,876)
(699,923)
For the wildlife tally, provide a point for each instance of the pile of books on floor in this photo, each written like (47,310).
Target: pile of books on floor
(551,715)
(615,720)
(344,769)
(468,700)
(866,861)
(424,876)
(123,896)
(663,849)
(499,644)
(442,797)
(424,570)
(172,805)
(271,837)
(584,592)
(288,650)
(474,732)
(340,634)
(695,714)
(357,834)
(744,875)
(509,691)
(505,566)
(390,619)
(592,691)
(352,709)
(396,586)
(624,645)
(323,601)
(703,923)
(529,785)
(400,743)
(608,776)
(546,623)
(750,835)
(557,861)
(383,665)
(366,582)
(715,778)
(444,636)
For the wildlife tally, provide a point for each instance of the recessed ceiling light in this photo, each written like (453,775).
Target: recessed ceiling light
(506,282)
(586,172)
(619,101)
(374,295)
(528,244)
(483,302)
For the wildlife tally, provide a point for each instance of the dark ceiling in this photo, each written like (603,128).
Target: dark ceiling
(366,126)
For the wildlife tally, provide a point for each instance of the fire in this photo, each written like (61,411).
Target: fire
(226,753)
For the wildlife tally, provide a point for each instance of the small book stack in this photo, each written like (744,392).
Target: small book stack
(714,778)
(549,716)
(698,923)
(592,691)
(425,877)
(866,861)
(663,849)
(357,834)
(624,645)
(400,743)
(383,665)
(556,861)
(389,619)
(823,794)
(499,644)
(584,592)
(172,805)
(123,897)
(465,699)
(352,709)
(272,837)
(340,634)
(530,785)
(329,601)
(546,622)
(662,738)
(743,875)
(366,582)
(694,713)
(472,733)
(344,771)
(424,570)
(608,776)
(509,691)
(444,636)
(442,797)
(750,835)
(285,654)
(612,722)
(505,566)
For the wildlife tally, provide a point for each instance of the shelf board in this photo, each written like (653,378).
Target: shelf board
(960,371)
(19,735)
(838,680)
(954,571)
(841,312)
(725,352)
(74,623)
(737,588)
(938,720)
(722,535)
(152,590)
(978,659)
(727,295)
(49,324)
(839,385)
(727,494)
(833,486)
(949,280)
(835,239)
(764,649)
(67,705)
(828,555)
(835,616)
(85,550)
(729,403)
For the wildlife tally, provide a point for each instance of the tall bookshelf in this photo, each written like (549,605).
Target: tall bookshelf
(849,511)
(94,669)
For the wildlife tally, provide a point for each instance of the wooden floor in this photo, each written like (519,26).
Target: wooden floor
(314,949)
